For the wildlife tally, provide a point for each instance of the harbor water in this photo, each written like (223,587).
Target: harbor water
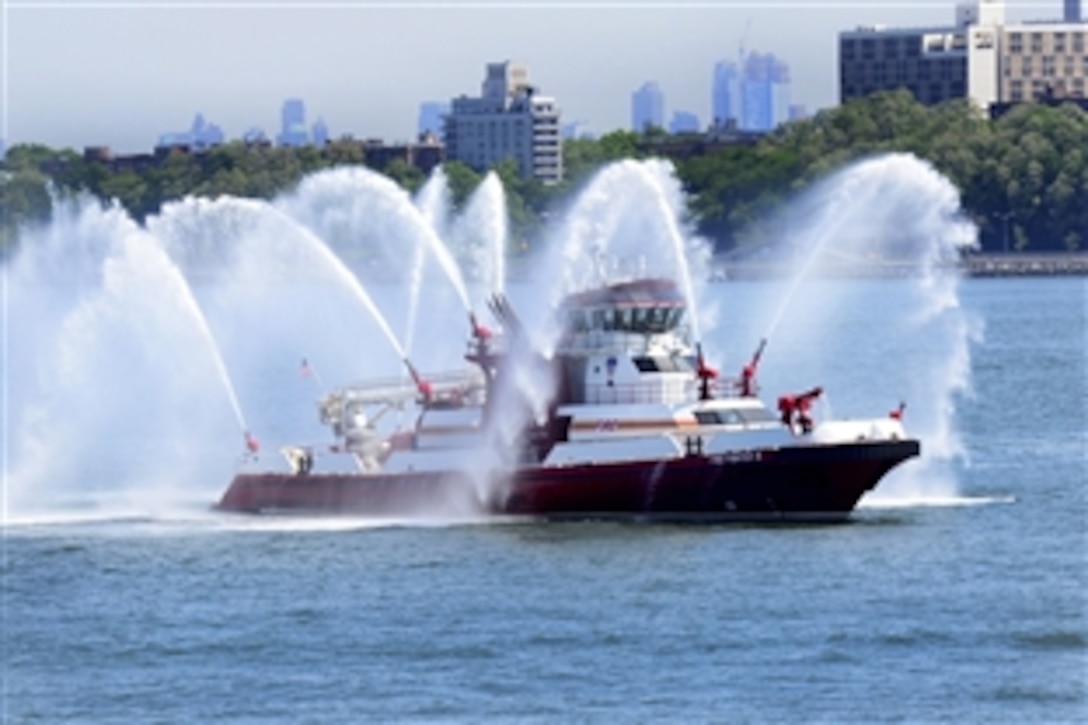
(963,600)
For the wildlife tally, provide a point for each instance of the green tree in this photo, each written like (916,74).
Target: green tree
(24,199)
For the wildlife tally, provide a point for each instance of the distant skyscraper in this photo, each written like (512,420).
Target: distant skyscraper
(765,92)
(293,131)
(577,129)
(200,136)
(320,133)
(204,135)
(684,122)
(255,136)
(647,107)
(1072,11)
(431,117)
(725,98)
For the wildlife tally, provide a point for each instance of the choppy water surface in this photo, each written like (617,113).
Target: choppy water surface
(966,606)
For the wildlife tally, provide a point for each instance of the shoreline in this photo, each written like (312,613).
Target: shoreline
(1054,264)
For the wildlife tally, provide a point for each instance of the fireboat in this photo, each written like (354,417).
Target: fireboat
(624,420)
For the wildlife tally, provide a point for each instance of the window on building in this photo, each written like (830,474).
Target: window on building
(1016,41)
(1036,42)
(1078,42)
(1059,42)
(868,49)
(1016,96)
(847,50)
(1048,66)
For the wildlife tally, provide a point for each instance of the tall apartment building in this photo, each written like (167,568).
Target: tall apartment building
(1071,11)
(1043,60)
(647,107)
(981,58)
(509,120)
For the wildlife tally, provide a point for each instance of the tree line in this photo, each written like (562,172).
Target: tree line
(1023,178)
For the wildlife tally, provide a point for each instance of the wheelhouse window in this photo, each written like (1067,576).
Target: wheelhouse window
(664,364)
(642,320)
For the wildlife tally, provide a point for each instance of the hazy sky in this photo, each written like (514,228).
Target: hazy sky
(81,73)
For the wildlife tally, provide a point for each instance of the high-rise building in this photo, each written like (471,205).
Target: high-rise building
(725,96)
(935,63)
(1072,11)
(200,136)
(647,107)
(577,129)
(320,133)
(764,92)
(293,131)
(1043,60)
(982,58)
(431,118)
(684,122)
(204,135)
(509,120)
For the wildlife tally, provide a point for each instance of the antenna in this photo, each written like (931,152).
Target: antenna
(743,40)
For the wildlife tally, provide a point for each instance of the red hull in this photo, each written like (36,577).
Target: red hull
(801,483)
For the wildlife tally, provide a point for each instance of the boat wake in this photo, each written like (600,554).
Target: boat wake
(877,502)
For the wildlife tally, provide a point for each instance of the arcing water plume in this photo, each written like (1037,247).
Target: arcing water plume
(114,360)
(629,220)
(433,202)
(356,211)
(897,219)
(274,292)
(480,234)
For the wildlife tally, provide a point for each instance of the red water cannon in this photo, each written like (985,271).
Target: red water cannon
(746,385)
(424,387)
(797,408)
(705,373)
(482,333)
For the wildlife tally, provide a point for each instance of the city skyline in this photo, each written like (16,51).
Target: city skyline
(130,71)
